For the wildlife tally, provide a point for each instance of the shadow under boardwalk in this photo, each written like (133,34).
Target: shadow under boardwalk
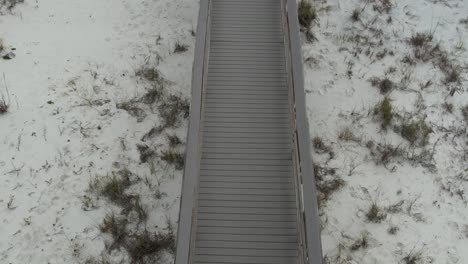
(246,205)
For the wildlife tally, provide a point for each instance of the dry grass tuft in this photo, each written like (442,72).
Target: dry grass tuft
(382,6)
(375,214)
(149,73)
(4,106)
(142,246)
(348,135)
(172,108)
(416,132)
(385,85)
(384,111)
(174,141)
(413,257)
(4,98)
(355,16)
(173,157)
(448,107)
(361,242)
(146,153)
(306,13)
(117,227)
(327,183)
(179,48)
(421,39)
(384,153)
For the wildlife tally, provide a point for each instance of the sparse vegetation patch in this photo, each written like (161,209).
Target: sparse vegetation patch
(425,49)
(385,85)
(327,183)
(465,112)
(147,246)
(179,48)
(172,108)
(416,132)
(173,157)
(375,214)
(413,257)
(8,5)
(355,16)
(382,6)
(384,111)
(384,153)
(149,73)
(4,98)
(348,135)
(361,243)
(306,13)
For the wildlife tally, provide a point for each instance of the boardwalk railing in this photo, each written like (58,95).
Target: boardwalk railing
(193,151)
(307,194)
(308,220)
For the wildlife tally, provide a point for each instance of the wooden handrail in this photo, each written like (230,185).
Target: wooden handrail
(307,189)
(192,158)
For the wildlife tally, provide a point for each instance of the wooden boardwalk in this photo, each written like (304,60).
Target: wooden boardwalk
(248,169)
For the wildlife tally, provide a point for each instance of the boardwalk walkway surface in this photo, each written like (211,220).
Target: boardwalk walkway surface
(248,174)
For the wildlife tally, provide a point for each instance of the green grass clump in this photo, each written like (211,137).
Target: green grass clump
(306,13)
(384,110)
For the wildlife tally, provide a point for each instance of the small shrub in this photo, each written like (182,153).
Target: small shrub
(421,39)
(306,13)
(355,16)
(385,85)
(384,111)
(375,214)
(172,157)
(179,48)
